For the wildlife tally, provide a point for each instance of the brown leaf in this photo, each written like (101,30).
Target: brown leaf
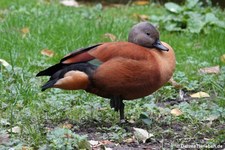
(71,3)
(176,112)
(110,36)
(96,144)
(67,126)
(141,2)
(25,31)
(47,52)
(105,142)
(210,70)
(175,84)
(222,58)
(141,17)
(200,95)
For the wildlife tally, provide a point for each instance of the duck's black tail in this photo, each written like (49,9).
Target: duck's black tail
(49,84)
(59,70)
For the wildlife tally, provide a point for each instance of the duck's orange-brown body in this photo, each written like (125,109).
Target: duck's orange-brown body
(127,70)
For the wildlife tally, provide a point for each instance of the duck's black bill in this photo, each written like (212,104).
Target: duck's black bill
(160,46)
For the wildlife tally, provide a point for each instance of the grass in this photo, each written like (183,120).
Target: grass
(63,29)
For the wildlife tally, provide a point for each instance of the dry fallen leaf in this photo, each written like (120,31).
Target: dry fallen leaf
(71,3)
(110,36)
(200,95)
(5,64)
(132,121)
(93,143)
(176,112)
(129,140)
(96,144)
(105,142)
(141,2)
(27,148)
(15,129)
(210,70)
(222,58)
(25,31)
(141,17)
(67,126)
(141,134)
(47,52)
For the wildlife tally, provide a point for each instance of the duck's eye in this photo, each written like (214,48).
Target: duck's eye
(148,34)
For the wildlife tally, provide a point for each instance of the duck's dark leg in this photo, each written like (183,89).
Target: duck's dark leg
(116,102)
(122,119)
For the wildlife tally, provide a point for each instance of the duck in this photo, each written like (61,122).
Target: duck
(125,70)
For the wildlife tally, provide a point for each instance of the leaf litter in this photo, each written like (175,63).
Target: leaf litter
(200,95)
(210,70)
(5,64)
(141,2)
(141,17)
(47,52)
(142,134)
(70,3)
(176,112)
(15,129)
(25,31)
(110,36)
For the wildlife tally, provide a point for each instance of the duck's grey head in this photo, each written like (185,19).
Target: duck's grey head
(145,34)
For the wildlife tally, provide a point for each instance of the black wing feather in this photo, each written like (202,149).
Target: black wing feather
(53,69)
(79,51)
